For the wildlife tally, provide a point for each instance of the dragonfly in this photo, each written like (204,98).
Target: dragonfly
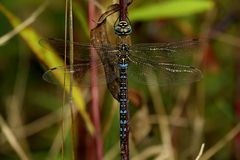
(122,61)
(163,59)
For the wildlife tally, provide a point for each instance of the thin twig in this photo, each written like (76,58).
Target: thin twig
(23,25)
(14,110)
(200,152)
(64,84)
(12,139)
(221,143)
(38,125)
(60,138)
(71,54)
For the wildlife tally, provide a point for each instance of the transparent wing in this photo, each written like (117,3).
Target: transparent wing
(165,73)
(82,62)
(80,74)
(81,50)
(180,51)
(147,58)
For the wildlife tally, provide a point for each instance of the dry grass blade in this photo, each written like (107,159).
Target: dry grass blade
(200,152)
(15,111)
(227,38)
(24,24)
(12,139)
(60,137)
(50,59)
(212,151)
(149,152)
(113,153)
(163,121)
(37,125)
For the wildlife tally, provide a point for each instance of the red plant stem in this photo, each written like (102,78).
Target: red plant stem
(123,10)
(96,143)
(237,103)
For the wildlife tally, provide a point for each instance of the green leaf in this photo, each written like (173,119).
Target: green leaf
(170,9)
(81,17)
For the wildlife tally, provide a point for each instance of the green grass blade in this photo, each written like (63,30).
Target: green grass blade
(81,17)
(170,9)
(50,59)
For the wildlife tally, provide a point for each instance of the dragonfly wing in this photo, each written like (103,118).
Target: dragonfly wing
(79,73)
(81,50)
(162,73)
(166,52)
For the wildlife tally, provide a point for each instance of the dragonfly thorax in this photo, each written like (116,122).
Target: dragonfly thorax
(123,47)
(123,57)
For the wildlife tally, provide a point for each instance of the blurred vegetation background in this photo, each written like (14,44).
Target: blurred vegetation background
(173,119)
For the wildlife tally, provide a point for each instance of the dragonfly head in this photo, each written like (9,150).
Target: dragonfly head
(123,28)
